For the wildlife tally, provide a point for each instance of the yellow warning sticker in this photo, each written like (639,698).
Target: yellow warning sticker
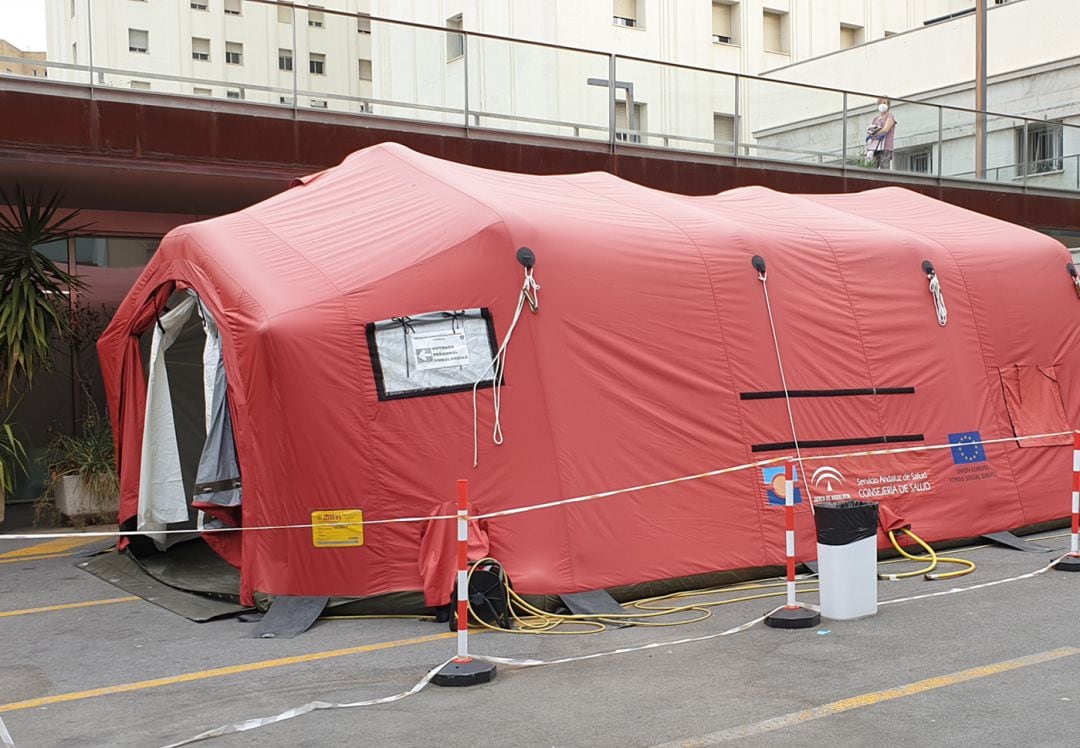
(337,529)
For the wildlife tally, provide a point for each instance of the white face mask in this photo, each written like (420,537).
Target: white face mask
(883,108)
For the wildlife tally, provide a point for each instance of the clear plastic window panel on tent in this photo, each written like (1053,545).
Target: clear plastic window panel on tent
(432,353)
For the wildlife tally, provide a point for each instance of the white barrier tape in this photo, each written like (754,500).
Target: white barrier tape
(312,706)
(752,465)
(957,590)
(549,504)
(5,736)
(654,645)
(209,530)
(252,724)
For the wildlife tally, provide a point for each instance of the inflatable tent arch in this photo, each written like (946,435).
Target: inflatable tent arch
(651,357)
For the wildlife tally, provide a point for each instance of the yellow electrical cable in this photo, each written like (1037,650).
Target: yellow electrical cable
(537,621)
(932,557)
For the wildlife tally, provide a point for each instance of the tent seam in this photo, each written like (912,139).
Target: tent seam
(719,322)
(974,319)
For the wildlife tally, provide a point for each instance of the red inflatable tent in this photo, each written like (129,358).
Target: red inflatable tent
(353,313)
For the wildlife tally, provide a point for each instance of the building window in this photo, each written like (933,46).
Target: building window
(232,7)
(723,127)
(889,33)
(74,53)
(286,100)
(234,53)
(141,85)
(200,49)
(315,18)
(234,93)
(198,5)
(626,13)
(202,91)
(455,43)
(629,130)
(365,70)
(71,8)
(917,160)
(139,41)
(1044,147)
(317,64)
(284,14)
(850,36)
(363,24)
(284,59)
(724,17)
(776,31)
(320,104)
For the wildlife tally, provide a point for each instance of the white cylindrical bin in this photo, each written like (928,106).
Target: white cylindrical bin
(847,558)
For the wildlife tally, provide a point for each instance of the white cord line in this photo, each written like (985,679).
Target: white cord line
(5,736)
(529,293)
(956,590)
(549,504)
(252,724)
(803,477)
(939,300)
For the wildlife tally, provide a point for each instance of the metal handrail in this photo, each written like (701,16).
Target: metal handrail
(472,117)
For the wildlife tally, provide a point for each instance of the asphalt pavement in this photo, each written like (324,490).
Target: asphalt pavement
(83,664)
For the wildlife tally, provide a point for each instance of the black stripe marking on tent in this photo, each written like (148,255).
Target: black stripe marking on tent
(855,442)
(778,394)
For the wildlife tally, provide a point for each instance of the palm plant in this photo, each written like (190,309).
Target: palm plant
(32,287)
(32,307)
(12,458)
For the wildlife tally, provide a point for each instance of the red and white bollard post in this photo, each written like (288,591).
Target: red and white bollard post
(1071,562)
(792,615)
(463,670)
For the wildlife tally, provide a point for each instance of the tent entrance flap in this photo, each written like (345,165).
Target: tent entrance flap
(188,455)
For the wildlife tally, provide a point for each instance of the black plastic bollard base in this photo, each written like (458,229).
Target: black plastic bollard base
(468,672)
(1069,563)
(793,618)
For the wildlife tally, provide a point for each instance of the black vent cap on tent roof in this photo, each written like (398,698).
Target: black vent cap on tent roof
(758,262)
(1071,268)
(526,257)
(928,267)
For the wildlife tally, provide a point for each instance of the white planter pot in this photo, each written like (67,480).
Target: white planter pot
(74,501)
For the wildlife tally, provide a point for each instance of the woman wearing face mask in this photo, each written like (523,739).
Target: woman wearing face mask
(879,137)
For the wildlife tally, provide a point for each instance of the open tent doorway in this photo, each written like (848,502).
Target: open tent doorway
(190,476)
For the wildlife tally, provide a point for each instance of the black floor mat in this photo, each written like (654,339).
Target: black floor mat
(289,616)
(193,567)
(1009,540)
(123,571)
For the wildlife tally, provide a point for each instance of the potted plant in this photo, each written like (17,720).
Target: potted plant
(82,472)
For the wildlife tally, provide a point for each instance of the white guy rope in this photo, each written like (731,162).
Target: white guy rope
(939,300)
(530,293)
(803,478)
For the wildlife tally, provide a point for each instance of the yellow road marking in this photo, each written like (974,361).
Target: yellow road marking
(58,545)
(24,559)
(218,672)
(66,606)
(869,699)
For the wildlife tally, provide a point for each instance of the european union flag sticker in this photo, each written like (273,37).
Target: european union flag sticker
(966,448)
(774,482)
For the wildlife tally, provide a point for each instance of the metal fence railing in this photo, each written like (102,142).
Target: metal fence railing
(293,57)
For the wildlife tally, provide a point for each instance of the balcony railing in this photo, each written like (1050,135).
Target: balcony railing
(485,83)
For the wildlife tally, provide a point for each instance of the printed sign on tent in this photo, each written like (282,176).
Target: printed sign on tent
(337,529)
(876,478)
(440,351)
